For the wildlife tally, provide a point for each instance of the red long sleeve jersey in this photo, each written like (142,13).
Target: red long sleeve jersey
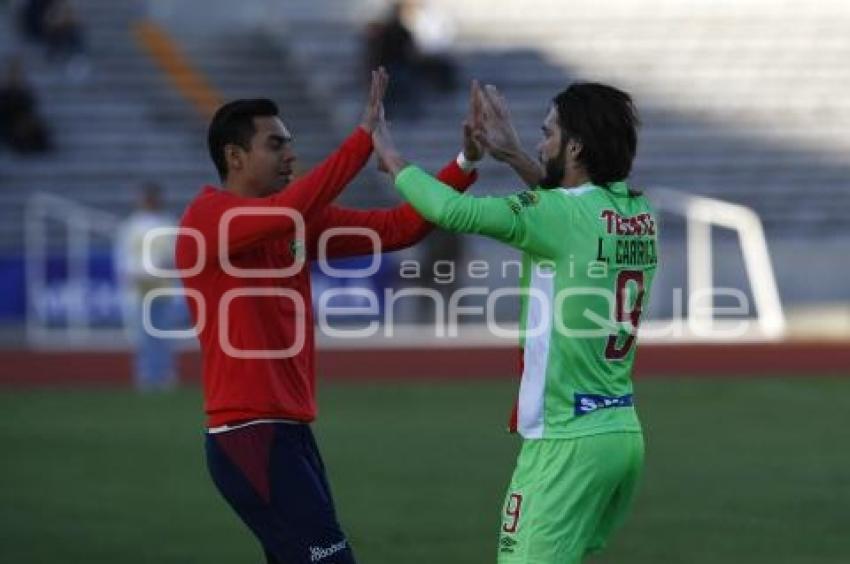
(256,328)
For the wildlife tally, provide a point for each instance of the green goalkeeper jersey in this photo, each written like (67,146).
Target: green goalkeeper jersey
(589,259)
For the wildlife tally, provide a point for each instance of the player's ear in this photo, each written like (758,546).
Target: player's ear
(233,154)
(574,147)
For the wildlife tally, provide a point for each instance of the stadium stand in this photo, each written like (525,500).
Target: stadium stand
(758,121)
(125,124)
(738,101)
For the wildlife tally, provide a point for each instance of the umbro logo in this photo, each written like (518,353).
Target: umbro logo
(507,544)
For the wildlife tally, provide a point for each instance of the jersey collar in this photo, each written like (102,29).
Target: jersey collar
(619,188)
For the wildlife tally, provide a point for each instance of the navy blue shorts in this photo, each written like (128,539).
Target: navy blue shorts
(271,474)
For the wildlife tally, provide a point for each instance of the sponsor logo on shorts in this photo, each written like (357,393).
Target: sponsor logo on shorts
(319,553)
(588,403)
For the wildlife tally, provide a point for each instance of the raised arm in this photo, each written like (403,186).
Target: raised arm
(401,226)
(512,219)
(500,138)
(304,197)
(499,218)
(397,228)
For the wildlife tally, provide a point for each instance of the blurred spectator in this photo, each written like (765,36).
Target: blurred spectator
(434,33)
(63,36)
(413,42)
(154,368)
(32,18)
(63,33)
(55,24)
(21,128)
(390,43)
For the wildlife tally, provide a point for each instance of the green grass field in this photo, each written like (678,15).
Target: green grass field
(741,471)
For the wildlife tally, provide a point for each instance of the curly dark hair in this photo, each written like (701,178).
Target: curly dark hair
(604,120)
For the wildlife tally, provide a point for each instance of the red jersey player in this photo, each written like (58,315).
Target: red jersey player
(241,251)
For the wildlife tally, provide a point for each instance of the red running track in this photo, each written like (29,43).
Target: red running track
(38,368)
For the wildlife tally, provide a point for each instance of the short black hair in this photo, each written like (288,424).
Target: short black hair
(150,194)
(605,121)
(233,123)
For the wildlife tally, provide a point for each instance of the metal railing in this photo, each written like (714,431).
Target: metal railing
(700,324)
(81,222)
(701,214)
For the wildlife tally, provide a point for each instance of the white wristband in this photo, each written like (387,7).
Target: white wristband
(465,164)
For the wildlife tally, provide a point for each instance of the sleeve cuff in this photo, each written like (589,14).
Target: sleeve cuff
(465,164)
(361,137)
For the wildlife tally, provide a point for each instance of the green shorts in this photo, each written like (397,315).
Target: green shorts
(567,496)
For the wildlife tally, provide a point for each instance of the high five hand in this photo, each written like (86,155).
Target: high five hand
(473,150)
(374,105)
(497,134)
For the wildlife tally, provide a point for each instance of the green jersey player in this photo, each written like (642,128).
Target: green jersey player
(589,258)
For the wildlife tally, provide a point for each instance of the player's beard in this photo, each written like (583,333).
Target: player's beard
(555,169)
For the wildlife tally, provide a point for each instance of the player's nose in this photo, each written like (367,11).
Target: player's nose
(540,146)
